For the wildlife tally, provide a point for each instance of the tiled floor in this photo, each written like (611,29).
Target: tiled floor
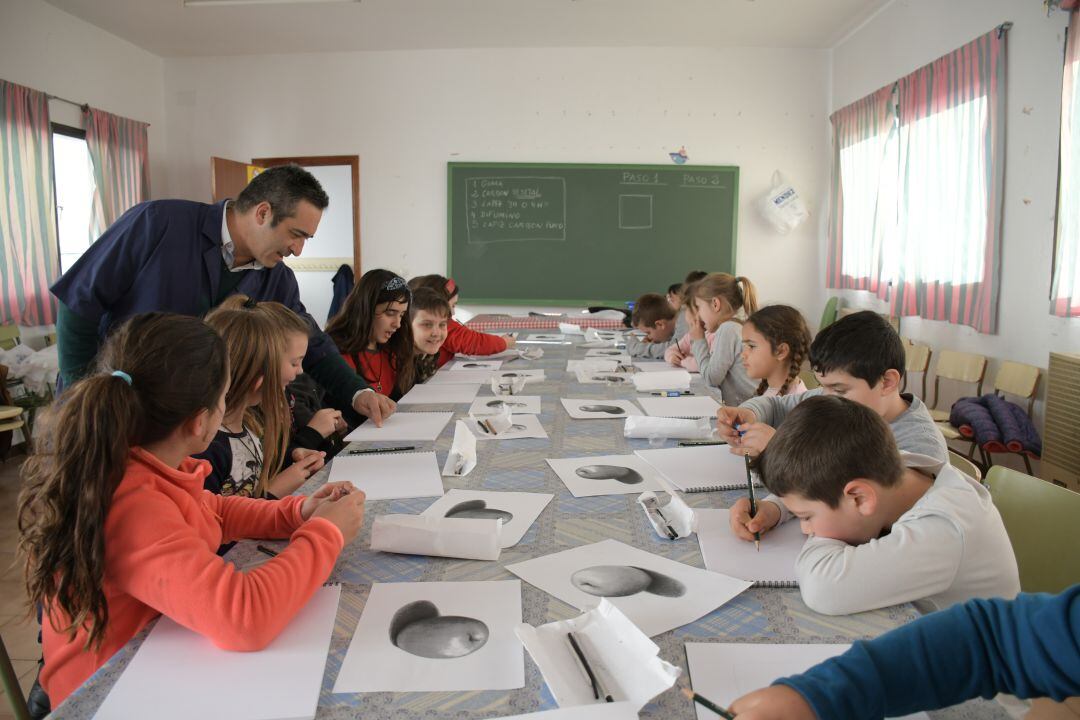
(20,633)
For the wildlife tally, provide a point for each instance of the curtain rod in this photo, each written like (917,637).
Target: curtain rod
(85,107)
(1004,28)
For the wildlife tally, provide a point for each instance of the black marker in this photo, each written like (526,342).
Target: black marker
(372,451)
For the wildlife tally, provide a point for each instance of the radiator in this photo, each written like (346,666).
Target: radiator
(1061,436)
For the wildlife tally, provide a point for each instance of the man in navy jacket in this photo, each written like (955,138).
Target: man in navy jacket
(186,257)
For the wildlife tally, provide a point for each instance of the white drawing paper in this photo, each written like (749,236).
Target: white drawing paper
(459,365)
(624,661)
(608,353)
(724,672)
(522,426)
(604,711)
(436,636)
(281,682)
(652,366)
(518,404)
(661,380)
(582,409)
(686,406)
(389,476)
(656,593)
(507,353)
(426,394)
(619,379)
(461,377)
(605,475)
(469,538)
(571,329)
(461,459)
(700,467)
(546,337)
(517,510)
(774,564)
(530,376)
(592,365)
(420,426)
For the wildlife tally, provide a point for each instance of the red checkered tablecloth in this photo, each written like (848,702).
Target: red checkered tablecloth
(487,322)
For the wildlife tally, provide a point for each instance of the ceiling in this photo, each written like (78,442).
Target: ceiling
(168,29)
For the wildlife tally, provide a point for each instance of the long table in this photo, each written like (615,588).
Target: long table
(759,615)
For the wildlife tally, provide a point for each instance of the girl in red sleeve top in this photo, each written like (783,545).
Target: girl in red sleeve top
(461,339)
(373,334)
(117,529)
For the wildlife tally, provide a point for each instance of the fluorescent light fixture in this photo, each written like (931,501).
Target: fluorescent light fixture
(213,3)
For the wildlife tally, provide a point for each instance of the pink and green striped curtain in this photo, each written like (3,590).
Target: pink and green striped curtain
(119,151)
(934,245)
(27,208)
(862,210)
(1065,287)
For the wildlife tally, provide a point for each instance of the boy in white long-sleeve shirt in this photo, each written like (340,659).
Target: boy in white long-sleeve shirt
(882,532)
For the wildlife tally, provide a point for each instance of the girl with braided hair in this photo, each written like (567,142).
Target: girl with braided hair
(775,343)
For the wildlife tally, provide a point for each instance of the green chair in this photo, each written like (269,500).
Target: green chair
(829,316)
(1041,519)
(11,686)
(9,336)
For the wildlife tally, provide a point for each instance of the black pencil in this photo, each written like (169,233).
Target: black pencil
(707,704)
(598,691)
(266,551)
(372,451)
(698,443)
(753,500)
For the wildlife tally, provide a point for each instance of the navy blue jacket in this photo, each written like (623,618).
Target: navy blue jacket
(165,255)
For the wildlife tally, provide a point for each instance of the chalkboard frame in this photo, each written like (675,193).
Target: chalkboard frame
(577,302)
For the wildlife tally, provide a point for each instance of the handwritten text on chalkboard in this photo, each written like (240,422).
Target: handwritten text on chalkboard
(509,209)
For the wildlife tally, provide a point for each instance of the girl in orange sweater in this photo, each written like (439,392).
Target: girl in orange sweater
(116,527)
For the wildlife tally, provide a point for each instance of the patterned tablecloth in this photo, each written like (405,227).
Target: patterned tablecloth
(487,323)
(759,615)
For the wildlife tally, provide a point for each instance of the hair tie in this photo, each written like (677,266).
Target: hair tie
(122,375)
(451,287)
(250,304)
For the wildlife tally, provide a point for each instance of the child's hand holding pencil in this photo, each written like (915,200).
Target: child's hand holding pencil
(778,702)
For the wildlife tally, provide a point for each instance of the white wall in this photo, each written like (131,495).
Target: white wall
(910,33)
(47,49)
(406,114)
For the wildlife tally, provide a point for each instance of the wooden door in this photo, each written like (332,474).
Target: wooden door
(229,177)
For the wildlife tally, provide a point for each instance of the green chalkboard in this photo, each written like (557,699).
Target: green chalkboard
(559,234)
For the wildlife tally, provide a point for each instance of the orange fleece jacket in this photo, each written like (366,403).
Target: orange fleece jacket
(162,533)
(460,339)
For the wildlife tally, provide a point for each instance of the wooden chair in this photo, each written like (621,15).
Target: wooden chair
(964,465)
(1040,518)
(828,317)
(956,367)
(916,360)
(50,339)
(9,336)
(1020,381)
(11,416)
(11,686)
(894,321)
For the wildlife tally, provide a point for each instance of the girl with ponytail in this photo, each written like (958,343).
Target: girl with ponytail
(116,528)
(717,300)
(776,342)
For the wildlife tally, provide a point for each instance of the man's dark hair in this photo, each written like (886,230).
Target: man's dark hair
(693,276)
(283,187)
(863,344)
(823,444)
(649,308)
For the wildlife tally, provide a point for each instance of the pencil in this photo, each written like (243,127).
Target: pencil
(371,451)
(707,704)
(266,551)
(753,500)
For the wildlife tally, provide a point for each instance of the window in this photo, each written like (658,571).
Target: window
(915,210)
(1065,287)
(74,178)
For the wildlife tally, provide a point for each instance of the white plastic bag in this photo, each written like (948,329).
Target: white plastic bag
(782,207)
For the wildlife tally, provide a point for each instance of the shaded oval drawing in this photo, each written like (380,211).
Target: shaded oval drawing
(419,629)
(609,409)
(625,475)
(478,509)
(610,378)
(519,428)
(500,403)
(473,365)
(609,352)
(624,580)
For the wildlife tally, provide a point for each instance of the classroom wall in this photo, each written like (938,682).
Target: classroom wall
(910,33)
(49,50)
(406,114)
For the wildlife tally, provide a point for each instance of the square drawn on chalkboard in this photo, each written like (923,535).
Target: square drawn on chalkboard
(635,212)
